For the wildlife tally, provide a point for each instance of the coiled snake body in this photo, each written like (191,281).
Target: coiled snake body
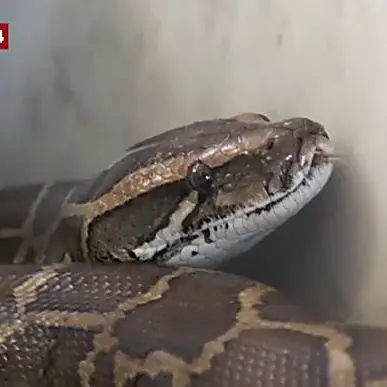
(75,312)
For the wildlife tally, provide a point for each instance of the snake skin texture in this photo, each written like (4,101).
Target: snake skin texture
(68,318)
(108,325)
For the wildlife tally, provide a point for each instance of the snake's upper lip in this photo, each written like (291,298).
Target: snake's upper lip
(323,152)
(319,158)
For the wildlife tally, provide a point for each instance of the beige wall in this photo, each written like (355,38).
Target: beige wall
(82,81)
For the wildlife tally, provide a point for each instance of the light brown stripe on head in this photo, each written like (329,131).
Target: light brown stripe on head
(213,150)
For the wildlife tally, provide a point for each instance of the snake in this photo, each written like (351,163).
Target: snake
(113,280)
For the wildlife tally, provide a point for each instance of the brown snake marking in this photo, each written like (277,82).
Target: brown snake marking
(147,325)
(257,310)
(28,240)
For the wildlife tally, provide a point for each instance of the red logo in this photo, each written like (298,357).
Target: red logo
(4,36)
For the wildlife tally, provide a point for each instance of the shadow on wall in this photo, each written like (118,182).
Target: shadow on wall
(316,257)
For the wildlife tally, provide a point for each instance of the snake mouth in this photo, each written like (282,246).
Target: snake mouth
(320,157)
(323,152)
(310,159)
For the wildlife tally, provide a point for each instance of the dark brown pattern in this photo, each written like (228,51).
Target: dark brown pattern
(143,325)
(220,340)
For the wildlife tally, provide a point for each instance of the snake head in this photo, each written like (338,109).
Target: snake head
(203,193)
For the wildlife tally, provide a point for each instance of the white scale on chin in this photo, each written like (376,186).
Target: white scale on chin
(171,233)
(245,231)
(246,226)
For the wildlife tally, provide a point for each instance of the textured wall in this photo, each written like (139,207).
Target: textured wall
(83,80)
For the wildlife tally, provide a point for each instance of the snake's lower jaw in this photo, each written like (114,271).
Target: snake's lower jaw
(224,239)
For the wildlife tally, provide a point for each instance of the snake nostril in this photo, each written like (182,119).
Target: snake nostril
(270,144)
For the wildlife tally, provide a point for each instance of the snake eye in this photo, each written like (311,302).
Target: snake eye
(201,177)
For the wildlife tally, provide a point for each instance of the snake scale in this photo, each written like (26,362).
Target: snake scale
(111,281)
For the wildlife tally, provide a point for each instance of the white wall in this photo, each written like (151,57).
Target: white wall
(83,80)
